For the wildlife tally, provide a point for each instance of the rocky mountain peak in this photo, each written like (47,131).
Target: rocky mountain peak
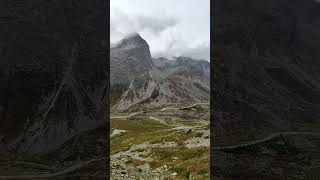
(140,81)
(132,40)
(129,58)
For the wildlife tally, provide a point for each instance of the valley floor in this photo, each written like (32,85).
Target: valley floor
(157,145)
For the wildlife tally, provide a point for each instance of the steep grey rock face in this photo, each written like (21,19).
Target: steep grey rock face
(129,58)
(138,81)
(53,72)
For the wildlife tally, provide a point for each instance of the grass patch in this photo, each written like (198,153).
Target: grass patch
(203,171)
(193,161)
(135,162)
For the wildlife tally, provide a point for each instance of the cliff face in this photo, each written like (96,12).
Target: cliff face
(129,58)
(138,81)
(53,72)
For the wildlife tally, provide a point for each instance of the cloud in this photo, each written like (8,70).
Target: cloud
(201,51)
(162,32)
(155,25)
(178,48)
(122,24)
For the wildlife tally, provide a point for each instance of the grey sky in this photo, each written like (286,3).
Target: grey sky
(171,27)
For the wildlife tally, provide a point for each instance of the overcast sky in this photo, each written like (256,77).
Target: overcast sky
(171,27)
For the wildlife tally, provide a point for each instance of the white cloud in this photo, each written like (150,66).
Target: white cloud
(171,27)
(123,24)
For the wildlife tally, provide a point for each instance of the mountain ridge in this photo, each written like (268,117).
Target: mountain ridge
(143,83)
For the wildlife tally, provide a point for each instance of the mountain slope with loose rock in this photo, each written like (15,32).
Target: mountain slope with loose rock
(139,81)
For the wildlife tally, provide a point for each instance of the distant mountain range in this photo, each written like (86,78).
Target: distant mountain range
(139,81)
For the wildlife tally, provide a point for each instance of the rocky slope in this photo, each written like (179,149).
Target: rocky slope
(53,72)
(265,79)
(139,81)
(266,68)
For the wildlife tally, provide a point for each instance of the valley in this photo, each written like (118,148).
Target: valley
(160,120)
(172,144)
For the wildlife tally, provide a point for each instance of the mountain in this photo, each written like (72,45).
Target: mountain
(266,72)
(140,81)
(265,80)
(53,76)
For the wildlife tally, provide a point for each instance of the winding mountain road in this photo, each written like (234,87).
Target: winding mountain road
(271,136)
(55,174)
(32,164)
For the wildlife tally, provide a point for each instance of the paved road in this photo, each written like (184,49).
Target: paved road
(271,136)
(51,175)
(33,164)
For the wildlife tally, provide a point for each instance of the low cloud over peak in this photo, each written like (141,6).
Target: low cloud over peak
(123,24)
(169,28)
